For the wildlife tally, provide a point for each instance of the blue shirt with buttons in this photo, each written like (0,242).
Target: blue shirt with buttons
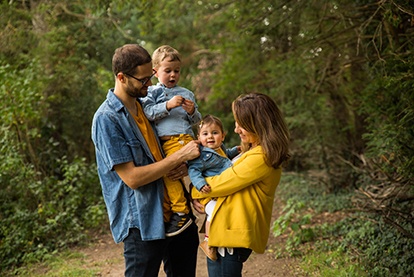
(117,140)
(176,121)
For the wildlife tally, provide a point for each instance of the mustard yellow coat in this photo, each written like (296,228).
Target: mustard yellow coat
(245,194)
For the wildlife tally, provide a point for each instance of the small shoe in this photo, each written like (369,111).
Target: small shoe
(210,252)
(177,224)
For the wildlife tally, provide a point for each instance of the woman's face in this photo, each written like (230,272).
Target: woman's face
(245,136)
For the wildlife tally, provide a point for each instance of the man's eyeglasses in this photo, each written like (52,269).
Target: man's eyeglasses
(143,81)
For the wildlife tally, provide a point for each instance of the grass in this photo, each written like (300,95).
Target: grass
(66,264)
(327,264)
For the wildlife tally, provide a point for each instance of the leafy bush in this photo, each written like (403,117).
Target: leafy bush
(57,215)
(46,203)
(314,194)
(380,248)
(295,223)
(363,238)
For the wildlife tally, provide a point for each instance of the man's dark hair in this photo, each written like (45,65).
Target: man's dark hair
(126,59)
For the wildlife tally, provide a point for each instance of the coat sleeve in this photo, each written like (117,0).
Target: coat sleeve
(248,170)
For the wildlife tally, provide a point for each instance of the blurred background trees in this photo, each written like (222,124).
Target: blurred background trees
(342,72)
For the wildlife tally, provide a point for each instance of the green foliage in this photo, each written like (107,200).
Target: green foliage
(340,70)
(42,208)
(360,238)
(380,248)
(303,199)
(387,251)
(295,222)
(390,102)
(314,194)
(41,198)
(68,264)
(332,263)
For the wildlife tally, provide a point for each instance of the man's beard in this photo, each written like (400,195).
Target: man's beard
(136,93)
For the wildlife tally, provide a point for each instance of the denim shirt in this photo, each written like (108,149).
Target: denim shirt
(117,140)
(176,121)
(209,163)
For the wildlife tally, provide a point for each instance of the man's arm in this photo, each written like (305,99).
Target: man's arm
(137,176)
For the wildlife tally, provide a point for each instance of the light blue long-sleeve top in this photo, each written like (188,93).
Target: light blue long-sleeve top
(176,121)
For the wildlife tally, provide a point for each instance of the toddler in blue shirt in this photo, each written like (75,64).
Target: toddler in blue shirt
(174,111)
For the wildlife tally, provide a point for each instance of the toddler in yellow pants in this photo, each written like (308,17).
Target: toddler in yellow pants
(174,111)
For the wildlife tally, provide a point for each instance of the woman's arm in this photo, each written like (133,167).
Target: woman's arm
(249,169)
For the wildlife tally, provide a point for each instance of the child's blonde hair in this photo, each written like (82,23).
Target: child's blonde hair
(163,52)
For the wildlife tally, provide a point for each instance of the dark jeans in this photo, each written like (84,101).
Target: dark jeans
(229,265)
(179,254)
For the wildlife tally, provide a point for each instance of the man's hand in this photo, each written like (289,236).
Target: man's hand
(178,172)
(190,151)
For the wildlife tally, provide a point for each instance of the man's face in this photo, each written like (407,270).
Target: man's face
(137,85)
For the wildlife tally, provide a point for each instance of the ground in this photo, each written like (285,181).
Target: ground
(107,257)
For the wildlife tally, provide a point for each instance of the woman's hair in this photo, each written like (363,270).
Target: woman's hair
(126,59)
(163,52)
(259,115)
(208,120)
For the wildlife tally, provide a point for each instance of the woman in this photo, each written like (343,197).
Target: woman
(245,192)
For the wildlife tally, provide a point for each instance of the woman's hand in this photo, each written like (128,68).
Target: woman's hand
(198,206)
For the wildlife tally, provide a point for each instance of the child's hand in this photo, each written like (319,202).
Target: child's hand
(174,102)
(205,189)
(188,106)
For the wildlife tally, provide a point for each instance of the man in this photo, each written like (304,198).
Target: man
(131,166)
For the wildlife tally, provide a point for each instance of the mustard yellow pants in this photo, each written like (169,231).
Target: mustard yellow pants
(174,198)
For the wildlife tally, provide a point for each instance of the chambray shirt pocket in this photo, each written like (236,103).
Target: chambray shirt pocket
(139,155)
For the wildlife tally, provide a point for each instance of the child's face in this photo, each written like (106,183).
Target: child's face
(168,73)
(211,136)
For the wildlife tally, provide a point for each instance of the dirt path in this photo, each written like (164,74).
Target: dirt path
(106,257)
